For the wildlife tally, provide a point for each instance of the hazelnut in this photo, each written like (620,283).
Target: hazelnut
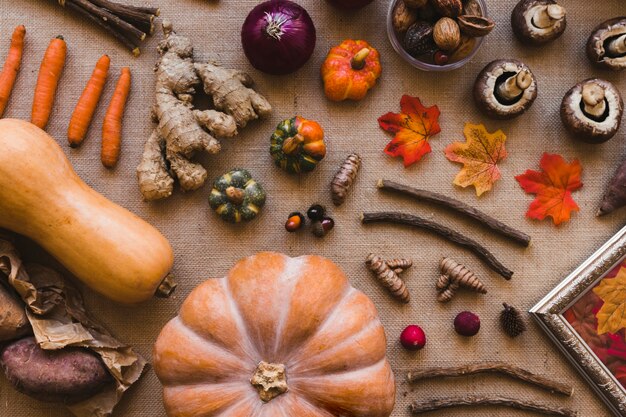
(446,34)
(403,17)
(448,8)
(415,4)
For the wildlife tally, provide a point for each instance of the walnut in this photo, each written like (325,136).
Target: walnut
(448,8)
(447,34)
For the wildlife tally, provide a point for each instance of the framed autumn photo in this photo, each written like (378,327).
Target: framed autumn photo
(585,315)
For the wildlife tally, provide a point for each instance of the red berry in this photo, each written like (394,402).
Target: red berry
(441,58)
(467,323)
(413,337)
(294,222)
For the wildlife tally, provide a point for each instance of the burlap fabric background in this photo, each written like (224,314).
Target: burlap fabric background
(206,247)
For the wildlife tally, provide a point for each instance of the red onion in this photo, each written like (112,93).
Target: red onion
(278,36)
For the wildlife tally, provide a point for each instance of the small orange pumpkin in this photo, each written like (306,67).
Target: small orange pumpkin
(350,70)
(278,336)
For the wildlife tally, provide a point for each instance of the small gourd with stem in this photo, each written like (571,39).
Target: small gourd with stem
(297,145)
(350,70)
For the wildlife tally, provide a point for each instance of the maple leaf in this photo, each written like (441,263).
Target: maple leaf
(612,314)
(413,127)
(479,155)
(553,187)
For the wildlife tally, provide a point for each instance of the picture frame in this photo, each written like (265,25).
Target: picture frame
(558,312)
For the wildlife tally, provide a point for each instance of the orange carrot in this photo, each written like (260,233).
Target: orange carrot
(86,106)
(48,81)
(112,126)
(11,66)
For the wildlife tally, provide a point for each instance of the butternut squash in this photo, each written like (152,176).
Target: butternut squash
(104,245)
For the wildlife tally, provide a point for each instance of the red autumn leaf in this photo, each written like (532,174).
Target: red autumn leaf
(553,186)
(413,127)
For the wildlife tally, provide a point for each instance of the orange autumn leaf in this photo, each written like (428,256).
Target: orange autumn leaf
(413,127)
(612,314)
(479,155)
(553,187)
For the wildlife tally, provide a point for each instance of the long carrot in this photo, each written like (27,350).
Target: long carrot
(87,103)
(11,66)
(112,125)
(48,81)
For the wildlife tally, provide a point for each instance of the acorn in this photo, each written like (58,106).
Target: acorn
(321,227)
(295,221)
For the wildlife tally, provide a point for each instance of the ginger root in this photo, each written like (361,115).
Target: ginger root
(453,276)
(182,130)
(387,273)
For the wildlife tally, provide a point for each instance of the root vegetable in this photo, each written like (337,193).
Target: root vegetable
(344,178)
(48,80)
(13,320)
(181,129)
(388,276)
(67,376)
(615,194)
(112,125)
(87,103)
(11,66)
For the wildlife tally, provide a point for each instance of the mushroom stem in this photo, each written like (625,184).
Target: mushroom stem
(593,100)
(515,85)
(545,16)
(617,46)
(358,60)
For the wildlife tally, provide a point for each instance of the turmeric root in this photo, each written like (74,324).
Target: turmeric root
(388,275)
(344,178)
(453,276)
(182,130)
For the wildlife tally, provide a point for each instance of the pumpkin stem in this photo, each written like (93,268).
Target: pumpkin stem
(292,144)
(235,195)
(167,287)
(270,380)
(358,60)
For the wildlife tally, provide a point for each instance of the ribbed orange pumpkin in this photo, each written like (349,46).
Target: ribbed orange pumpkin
(350,70)
(278,337)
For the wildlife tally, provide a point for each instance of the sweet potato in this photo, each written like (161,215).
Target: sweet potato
(67,376)
(13,320)
(615,194)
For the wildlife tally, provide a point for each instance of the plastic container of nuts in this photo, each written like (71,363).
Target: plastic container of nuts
(437,35)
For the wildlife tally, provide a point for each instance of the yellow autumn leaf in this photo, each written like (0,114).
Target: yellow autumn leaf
(612,316)
(479,155)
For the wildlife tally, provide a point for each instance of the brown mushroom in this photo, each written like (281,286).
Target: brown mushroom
(505,88)
(536,22)
(606,46)
(592,110)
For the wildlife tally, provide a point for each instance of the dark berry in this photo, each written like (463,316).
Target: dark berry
(467,323)
(441,58)
(295,221)
(316,212)
(413,337)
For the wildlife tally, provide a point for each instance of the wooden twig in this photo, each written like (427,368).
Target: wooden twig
(442,403)
(495,367)
(130,44)
(443,231)
(121,25)
(128,12)
(497,226)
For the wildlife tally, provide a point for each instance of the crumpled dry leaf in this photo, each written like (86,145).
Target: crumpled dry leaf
(612,314)
(413,127)
(553,186)
(56,312)
(479,155)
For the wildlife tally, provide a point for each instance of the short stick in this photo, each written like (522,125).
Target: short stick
(494,367)
(443,231)
(124,27)
(439,404)
(497,226)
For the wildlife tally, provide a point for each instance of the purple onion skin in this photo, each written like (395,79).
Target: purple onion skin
(291,44)
(349,4)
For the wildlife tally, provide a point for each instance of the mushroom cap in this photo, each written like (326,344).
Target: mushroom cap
(526,32)
(485,86)
(595,44)
(581,126)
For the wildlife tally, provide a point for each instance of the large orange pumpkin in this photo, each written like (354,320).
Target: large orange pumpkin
(277,337)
